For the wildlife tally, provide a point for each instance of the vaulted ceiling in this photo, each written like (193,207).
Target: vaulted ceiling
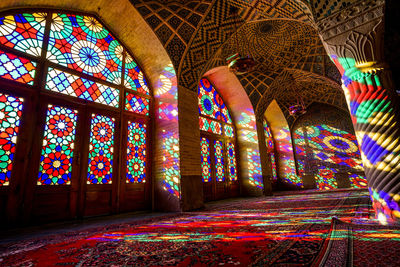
(281,35)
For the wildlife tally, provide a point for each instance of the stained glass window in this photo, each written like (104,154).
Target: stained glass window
(23,32)
(210,125)
(82,59)
(101,147)
(205,159)
(83,44)
(211,103)
(65,83)
(134,78)
(10,115)
(230,154)
(137,104)
(219,161)
(58,146)
(215,118)
(17,68)
(136,153)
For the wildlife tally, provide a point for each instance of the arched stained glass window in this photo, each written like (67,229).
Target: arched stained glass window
(94,101)
(218,155)
(270,149)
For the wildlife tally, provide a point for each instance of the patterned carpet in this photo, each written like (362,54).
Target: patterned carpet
(328,229)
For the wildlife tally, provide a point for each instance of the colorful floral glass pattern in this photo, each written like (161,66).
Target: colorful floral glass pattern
(136,153)
(10,115)
(17,68)
(23,32)
(210,125)
(134,78)
(83,44)
(137,104)
(58,146)
(219,161)
(205,159)
(211,103)
(357,181)
(101,147)
(230,154)
(68,84)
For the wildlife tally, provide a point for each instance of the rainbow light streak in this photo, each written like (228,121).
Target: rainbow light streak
(264,220)
(374,114)
(325,150)
(168,112)
(247,119)
(166,96)
(254,167)
(326,179)
(357,180)
(171,174)
(269,140)
(287,167)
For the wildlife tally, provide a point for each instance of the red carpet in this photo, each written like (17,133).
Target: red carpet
(291,230)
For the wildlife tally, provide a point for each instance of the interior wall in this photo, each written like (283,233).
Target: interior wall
(327,149)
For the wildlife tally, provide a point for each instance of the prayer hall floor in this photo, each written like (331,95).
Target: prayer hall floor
(307,228)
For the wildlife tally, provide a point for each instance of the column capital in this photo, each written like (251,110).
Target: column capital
(351,18)
(355,33)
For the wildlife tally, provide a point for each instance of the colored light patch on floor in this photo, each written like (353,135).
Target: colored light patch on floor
(266,231)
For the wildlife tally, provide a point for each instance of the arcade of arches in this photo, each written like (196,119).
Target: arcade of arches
(115,106)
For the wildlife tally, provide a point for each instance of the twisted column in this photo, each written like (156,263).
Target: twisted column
(353,39)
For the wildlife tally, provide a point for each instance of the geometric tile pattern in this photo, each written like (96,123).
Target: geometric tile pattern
(324,8)
(174,22)
(17,68)
(65,83)
(276,45)
(265,9)
(293,84)
(216,28)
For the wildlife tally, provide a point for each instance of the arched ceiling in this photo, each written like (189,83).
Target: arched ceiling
(192,31)
(200,34)
(292,85)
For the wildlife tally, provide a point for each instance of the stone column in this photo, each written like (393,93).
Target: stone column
(353,38)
